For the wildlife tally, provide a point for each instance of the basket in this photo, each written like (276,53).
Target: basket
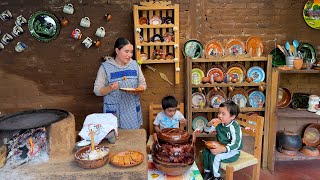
(90,164)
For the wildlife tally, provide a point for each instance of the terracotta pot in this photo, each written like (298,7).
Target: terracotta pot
(289,141)
(205,79)
(173,151)
(310,151)
(297,63)
(218,79)
(64,22)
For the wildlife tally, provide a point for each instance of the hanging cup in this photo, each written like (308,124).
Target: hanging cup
(68,9)
(100,32)
(85,22)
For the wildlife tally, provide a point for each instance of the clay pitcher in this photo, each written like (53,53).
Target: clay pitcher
(297,63)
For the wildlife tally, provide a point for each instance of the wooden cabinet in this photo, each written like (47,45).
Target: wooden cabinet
(209,112)
(156,33)
(289,118)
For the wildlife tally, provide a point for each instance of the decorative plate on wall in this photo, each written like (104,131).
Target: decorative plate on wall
(197,75)
(44,26)
(193,48)
(311,13)
(257,73)
(308,52)
(213,48)
(254,45)
(256,99)
(235,47)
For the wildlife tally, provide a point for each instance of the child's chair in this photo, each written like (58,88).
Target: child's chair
(154,109)
(253,126)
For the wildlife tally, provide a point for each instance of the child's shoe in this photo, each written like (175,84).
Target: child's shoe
(207,176)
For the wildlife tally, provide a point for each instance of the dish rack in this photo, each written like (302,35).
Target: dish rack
(156,33)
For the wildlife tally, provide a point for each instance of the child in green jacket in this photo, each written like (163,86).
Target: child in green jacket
(229,135)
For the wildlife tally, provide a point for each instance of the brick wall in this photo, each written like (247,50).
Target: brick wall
(60,74)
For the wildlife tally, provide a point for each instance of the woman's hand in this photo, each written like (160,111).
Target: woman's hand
(114,86)
(214,121)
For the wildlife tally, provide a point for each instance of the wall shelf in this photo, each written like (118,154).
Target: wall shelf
(228,84)
(300,156)
(292,113)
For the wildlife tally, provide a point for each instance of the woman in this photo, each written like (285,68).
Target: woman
(117,72)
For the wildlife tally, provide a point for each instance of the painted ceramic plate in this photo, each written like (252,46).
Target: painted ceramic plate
(308,52)
(127,159)
(155,20)
(240,100)
(235,47)
(278,58)
(237,73)
(143,20)
(44,26)
(256,99)
(284,97)
(257,73)
(215,72)
(198,100)
(311,13)
(199,122)
(212,93)
(131,89)
(168,37)
(213,49)
(193,48)
(216,101)
(197,75)
(254,45)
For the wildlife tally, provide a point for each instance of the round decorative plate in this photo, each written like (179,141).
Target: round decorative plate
(143,20)
(256,99)
(257,73)
(240,100)
(278,58)
(212,93)
(311,13)
(213,49)
(44,26)
(215,72)
(237,73)
(216,101)
(198,100)
(155,20)
(193,48)
(168,37)
(254,45)
(197,75)
(235,47)
(199,122)
(127,158)
(308,52)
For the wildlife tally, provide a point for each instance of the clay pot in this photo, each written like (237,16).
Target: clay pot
(289,140)
(205,80)
(230,88)
(97,43)
(249,79)
(215,89)
(297,63)
(261,88)
(234,80)
(173,151)
(64,22)
(218,79)
(310,151)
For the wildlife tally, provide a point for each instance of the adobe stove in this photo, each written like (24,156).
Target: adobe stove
(37,135)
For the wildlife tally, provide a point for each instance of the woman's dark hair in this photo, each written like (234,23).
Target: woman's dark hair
(120,42)
(169,102)
(232,107)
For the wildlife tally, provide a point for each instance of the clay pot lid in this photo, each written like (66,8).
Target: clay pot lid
(173,135)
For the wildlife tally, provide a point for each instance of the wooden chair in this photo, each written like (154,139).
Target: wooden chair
(253,126)
(154,109)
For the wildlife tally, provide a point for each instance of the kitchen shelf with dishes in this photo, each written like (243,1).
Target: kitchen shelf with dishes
(156,33)
(289,111)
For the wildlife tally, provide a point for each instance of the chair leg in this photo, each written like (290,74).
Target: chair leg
(229,173)
(256,172)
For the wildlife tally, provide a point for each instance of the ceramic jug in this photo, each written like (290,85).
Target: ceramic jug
(313,103)
(20,21)
(5,15)
(6,38)
(87,42)
(17,31)
(76,34)
(100,32)
(20,47)
(85,22)
(68,9)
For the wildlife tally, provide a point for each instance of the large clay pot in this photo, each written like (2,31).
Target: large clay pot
(173,151)
(289,141)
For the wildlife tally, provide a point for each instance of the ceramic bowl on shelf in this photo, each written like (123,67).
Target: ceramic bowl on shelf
(311,135)
(284,97)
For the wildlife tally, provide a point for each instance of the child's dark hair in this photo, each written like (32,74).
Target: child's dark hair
(120,42)
(232,107)
(169,102)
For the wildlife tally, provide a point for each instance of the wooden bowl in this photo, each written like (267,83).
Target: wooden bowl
(90,164)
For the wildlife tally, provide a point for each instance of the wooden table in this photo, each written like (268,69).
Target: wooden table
(68,168)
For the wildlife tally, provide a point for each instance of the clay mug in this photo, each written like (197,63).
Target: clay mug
(85,22)
(17,31)
(68,9)
(6,38)
(87,42)
(97,43)
(20,21)
(1,46)
(100,32)
(76,34)
(297,63)
(64,21)
(5,15)
(20,47)
(108,16)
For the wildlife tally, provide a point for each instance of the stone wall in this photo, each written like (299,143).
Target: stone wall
(61,73)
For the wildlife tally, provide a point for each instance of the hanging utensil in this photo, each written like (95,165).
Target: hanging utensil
(295,45)
(164,77)
(287,45)
(282,50)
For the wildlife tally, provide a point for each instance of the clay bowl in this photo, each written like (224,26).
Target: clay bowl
(212,144)
(90,164)
(172,169)
(285,99)
(311,135)
(310,151)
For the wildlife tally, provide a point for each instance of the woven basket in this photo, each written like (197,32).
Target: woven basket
(90,164)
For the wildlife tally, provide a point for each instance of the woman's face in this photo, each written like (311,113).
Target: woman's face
(124,54)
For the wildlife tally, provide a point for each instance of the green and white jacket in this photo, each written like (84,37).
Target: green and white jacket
(230,135)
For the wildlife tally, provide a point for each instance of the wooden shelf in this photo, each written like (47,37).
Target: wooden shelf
(228,84)
(156,26)
(206,135)
(230,59)
(157,44)
(300,156)
(299,71)
(149,61)
(292,113)
(246,109)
